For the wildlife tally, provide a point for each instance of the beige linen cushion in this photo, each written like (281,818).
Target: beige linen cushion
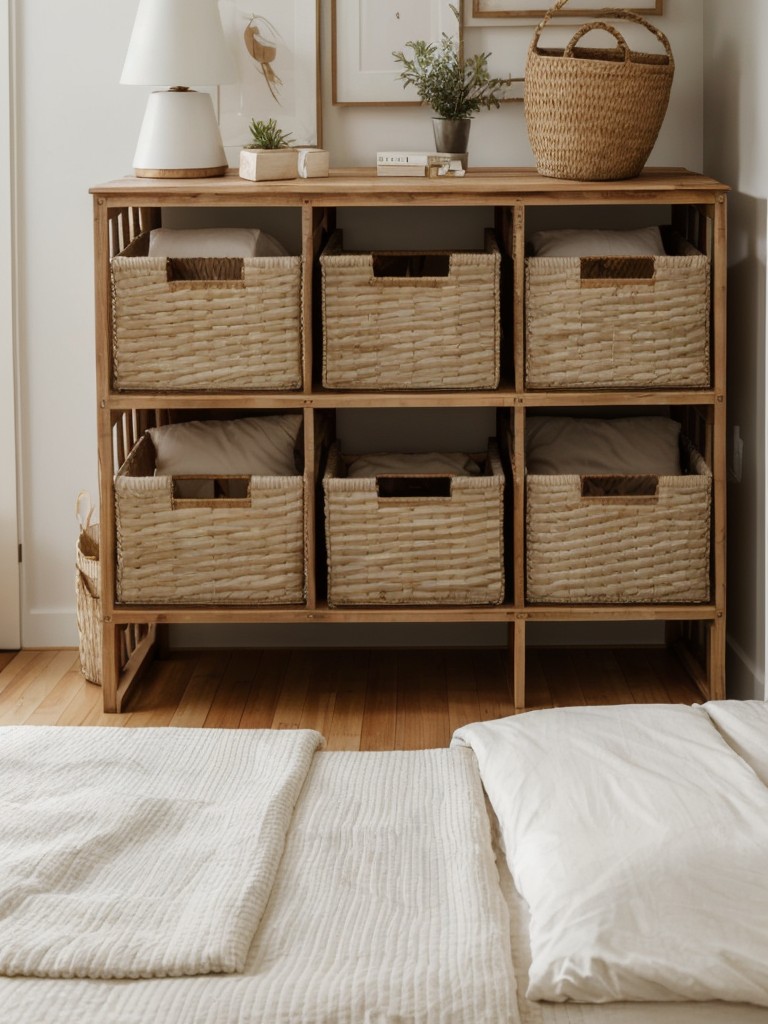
(573,242)
(255,446)
(443,463)
(222,242)
(563,445)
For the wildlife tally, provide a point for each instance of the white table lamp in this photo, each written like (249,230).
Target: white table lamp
(177,43)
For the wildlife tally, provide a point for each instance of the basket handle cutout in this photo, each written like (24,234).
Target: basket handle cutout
(606,270)
(623,489)
(205,272)
(411,266)
(413,487)
(616,14)
(228,492)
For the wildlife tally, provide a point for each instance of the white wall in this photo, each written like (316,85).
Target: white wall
(736,151)
(77,127)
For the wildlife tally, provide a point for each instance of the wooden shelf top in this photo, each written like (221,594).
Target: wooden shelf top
(362,186)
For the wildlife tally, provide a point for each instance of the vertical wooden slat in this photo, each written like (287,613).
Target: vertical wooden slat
(310,484)
(308,215)
(517,660)
(518,317)
(518,504)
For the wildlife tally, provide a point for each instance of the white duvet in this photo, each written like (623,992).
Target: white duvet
(639,839)
(128,853)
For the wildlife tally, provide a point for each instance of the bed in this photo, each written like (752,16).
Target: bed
(387,892)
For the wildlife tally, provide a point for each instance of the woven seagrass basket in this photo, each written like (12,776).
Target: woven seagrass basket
(619,321)
(411,319)
(388,544)
(205,323)
(88,593)
(223,551)
(619,539)
(595,114)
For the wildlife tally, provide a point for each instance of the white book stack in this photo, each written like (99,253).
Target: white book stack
(416,164)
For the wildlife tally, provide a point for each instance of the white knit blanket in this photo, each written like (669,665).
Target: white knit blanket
(386,909)
(134,853)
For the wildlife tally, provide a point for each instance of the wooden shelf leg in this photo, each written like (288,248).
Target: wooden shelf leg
(716,658)
(517,663)
(110,665)
(141,656)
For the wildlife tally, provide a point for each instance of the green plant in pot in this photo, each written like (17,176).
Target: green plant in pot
(270,156)
(454,86)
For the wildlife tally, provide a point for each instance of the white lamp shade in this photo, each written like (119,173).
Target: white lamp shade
(178,42)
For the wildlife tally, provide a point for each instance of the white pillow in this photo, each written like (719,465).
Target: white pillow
(444,463)
(562,445)
(233,242)
(743,724)
(639,840)
(256,446)
(574,242)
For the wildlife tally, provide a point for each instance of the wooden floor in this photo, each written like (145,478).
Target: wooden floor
(358,699)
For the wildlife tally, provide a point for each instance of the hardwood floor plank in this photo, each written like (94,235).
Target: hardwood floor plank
(367,700)
(320,700)
(22,670)
(349,675)
(18,702)
(233,691)
(6,657)
(260,707)
(209,667)
(293,691)
(380,709)
(461,686)
(492,683)
(422,701)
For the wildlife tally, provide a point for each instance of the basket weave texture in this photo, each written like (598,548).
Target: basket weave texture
(88,597)
(420,551)
(619,550)
(222,552)
(407,332)
(206,324)
(587,331)
(595,114)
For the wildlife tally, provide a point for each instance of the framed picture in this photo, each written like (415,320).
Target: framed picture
(534,9)
(363,35)
(275,45)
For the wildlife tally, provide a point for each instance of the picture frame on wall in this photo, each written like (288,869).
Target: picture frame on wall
(275,44)
(534,9)
(363,35)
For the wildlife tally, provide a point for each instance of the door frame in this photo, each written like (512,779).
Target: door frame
(10,599)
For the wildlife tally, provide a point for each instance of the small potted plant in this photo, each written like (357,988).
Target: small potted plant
(269,157)
(454,86)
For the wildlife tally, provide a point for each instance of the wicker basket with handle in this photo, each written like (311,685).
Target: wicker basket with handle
(595,114)
(88,591)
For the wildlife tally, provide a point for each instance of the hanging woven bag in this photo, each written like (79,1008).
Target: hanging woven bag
(88,592)
(594,114)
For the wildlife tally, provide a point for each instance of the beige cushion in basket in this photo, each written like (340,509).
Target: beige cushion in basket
(573,242)
(255,446)
(563,445)
(443,463)
(243,242)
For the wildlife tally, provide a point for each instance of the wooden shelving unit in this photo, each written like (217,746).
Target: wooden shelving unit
(698,210)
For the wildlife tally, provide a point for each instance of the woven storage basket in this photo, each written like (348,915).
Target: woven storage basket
(594,114)
(611,548)
(635,322)
(88,593)
(391,321)
(218,551)
(205,324)
(446,550)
